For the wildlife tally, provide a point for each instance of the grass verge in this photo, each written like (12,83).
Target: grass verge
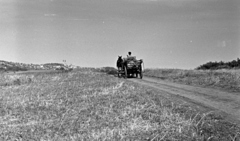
(223,79)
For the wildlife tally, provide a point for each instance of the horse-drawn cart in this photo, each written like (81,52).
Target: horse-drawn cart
(130,67)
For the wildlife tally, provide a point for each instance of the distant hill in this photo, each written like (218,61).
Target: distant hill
(235,64)
(15,66)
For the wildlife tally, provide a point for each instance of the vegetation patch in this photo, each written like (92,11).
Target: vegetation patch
(235,64)
(10,80)
(86,105)
(108,70)
(223,79)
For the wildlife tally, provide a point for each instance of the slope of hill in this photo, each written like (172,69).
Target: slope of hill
(15,66)
(86,105)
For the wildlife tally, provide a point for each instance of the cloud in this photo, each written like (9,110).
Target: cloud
(80,19)
(49,15)
(170,3)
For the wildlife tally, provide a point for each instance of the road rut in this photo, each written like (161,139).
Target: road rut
(224,102)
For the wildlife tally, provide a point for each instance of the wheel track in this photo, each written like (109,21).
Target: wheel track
(228,104)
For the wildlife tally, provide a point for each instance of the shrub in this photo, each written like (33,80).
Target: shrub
(220,65)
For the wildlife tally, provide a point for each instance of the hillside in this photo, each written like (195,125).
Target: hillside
(88,105)
(16,66)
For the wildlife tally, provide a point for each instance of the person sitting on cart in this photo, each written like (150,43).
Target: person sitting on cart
(130,57)
(129,54)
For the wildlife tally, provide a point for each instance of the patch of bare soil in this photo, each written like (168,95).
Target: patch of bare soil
(226,104)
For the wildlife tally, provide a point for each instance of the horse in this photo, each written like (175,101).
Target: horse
(120,66)
(120,63)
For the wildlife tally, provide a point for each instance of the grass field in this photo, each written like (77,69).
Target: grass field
(223,79)
(87,105)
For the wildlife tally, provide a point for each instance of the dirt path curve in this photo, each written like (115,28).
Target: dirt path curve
(228,104)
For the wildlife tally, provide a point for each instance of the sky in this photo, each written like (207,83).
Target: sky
(93,33)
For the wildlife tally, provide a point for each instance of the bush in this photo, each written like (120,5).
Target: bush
(220,65)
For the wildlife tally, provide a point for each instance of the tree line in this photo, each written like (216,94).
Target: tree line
(235,64)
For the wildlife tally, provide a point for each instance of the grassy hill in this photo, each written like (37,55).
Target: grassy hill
(88,105)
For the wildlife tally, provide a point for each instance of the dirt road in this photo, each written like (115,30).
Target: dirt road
(228,104)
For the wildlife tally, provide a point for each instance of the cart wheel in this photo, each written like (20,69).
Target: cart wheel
(141,73)
(126,74)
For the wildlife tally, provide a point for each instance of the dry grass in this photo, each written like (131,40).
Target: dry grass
(223,79)
(86,105)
